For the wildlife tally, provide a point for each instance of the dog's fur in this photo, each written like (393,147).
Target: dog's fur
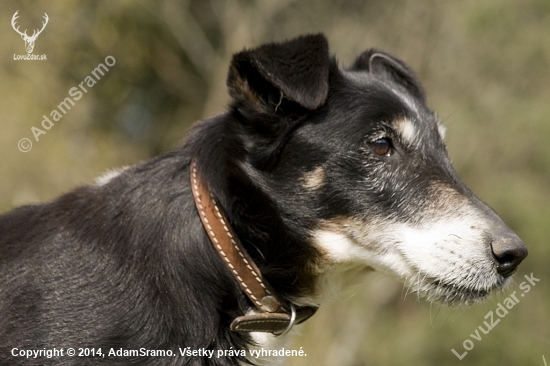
(322,171)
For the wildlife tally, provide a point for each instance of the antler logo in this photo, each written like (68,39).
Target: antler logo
(29,41)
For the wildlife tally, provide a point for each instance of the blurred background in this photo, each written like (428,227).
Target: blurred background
(485,66)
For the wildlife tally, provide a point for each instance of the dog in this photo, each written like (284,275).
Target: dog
(207,253)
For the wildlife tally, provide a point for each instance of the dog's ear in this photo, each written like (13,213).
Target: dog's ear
(379,62)
(295,71)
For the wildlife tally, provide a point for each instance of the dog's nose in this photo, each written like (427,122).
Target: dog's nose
(508,252)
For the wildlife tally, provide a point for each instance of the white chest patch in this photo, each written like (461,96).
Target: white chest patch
(265,343)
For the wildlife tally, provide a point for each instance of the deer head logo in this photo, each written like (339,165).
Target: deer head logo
(29,41)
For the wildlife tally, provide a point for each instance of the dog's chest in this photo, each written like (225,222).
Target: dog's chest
(265,343)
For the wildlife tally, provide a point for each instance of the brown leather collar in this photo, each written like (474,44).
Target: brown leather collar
(273,314)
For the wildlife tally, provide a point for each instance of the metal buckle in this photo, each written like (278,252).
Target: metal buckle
(291,323)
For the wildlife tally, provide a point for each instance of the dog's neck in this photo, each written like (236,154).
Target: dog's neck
(272,313)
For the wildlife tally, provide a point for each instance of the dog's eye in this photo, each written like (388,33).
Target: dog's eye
(381,146)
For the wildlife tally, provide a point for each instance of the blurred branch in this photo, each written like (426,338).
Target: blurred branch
(189,35)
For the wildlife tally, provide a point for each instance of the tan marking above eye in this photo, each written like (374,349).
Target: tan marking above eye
(406,130)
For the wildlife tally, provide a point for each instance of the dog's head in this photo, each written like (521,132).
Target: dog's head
(357,158)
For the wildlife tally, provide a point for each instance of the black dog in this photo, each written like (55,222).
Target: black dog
(318,171)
